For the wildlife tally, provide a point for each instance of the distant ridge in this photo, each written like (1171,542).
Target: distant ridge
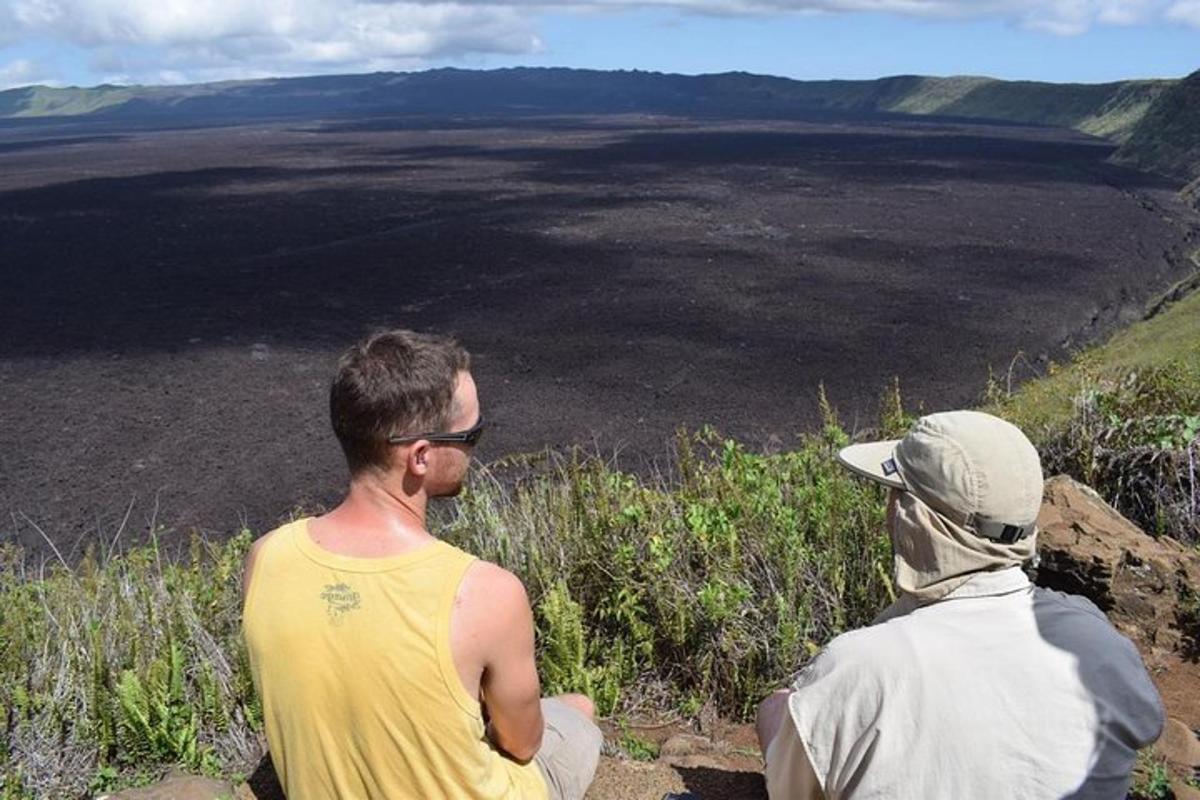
(1110,109)
(1134,113)
(1167,139)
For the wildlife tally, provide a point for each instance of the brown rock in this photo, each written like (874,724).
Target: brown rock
(1183,791)
(685,744)
(1087,548)
(1179,746)
(178,787)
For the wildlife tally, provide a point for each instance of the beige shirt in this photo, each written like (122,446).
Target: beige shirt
(999,690)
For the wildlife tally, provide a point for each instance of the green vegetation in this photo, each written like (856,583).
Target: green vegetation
(1109,110)
(120,664)
(1151,779)
(1168,341)
(716,582)
(1124,418)
(637,747)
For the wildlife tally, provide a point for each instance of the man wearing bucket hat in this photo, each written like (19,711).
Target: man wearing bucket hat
(973,683)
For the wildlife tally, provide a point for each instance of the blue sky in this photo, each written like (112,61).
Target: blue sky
(85,42)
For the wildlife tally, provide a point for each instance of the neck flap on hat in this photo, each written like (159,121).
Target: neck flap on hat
(934,556)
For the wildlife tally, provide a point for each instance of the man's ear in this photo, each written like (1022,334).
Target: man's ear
(418,458)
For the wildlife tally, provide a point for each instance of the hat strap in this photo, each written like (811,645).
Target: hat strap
(1003,532)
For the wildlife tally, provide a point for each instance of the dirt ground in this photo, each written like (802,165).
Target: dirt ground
(722,762)
(174,300)
(724,765)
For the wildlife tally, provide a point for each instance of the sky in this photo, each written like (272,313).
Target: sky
(89,42)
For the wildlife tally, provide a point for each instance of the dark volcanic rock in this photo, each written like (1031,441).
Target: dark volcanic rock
(175,300)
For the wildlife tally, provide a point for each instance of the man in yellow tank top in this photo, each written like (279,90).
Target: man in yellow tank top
(390,664)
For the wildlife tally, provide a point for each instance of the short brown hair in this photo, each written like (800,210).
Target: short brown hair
(390,383)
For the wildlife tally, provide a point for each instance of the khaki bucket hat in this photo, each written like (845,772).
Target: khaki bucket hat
(975,469)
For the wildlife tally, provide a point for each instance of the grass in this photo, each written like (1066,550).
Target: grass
(1112,109)
(114,666)
(637,747)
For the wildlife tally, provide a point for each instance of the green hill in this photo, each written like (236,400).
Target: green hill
(1110,110)
(1167,139)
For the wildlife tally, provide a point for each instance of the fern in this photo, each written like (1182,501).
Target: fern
(157,722)
(564,654)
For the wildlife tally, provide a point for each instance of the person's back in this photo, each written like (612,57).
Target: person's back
(390,664)
(999,690)
(369,660)
(972,683)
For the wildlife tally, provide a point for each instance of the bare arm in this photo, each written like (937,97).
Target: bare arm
(493,645)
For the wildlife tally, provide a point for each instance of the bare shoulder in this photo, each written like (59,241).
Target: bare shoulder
(253,554)
(494,582)
(489,589)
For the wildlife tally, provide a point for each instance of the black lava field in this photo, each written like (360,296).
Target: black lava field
(174,300)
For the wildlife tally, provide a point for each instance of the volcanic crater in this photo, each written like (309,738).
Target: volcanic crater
(175,298)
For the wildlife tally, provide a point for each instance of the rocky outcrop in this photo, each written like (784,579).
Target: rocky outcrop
(179,786)
(1145,585)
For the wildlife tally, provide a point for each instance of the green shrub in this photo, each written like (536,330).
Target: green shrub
(717,582)
(1137,442)
(637,747)
(117,664)
(1151,779)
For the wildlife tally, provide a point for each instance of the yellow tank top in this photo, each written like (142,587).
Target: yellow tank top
(361,699)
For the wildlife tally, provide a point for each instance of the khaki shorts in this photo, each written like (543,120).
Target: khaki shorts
(570,750)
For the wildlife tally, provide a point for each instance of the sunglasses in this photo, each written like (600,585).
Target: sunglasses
(470,437)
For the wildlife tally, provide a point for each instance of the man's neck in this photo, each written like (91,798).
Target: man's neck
(377,518)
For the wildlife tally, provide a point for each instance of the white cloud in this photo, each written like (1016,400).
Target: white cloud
(194,40)
(1073,17)
(1060,17)
(1185,11)
(185,40)
(21,72)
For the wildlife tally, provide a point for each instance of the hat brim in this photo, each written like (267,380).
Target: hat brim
(867,459)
